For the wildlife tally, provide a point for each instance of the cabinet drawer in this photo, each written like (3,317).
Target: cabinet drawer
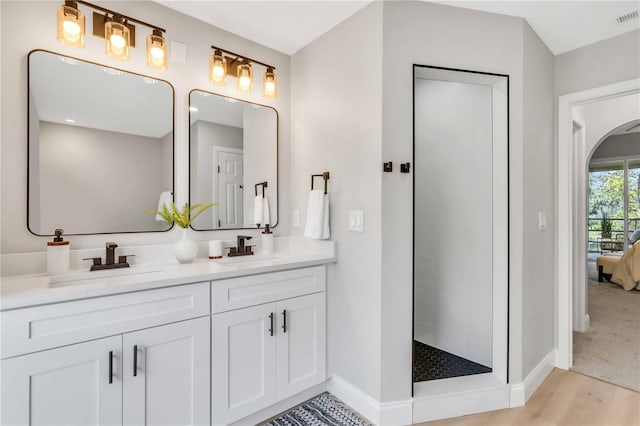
(237,293)
(43,327)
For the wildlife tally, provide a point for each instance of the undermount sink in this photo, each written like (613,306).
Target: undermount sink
(250,258)
(88,277)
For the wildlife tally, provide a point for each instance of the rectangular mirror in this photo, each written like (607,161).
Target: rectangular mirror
(233,152)
(100,147)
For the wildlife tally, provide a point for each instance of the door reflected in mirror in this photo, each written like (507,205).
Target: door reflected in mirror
(233,150)
(100,147)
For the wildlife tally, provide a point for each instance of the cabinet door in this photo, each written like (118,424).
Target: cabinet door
(170,384)
(65,386)
(301,344)
(243,362)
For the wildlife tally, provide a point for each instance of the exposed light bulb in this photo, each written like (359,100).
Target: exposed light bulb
(270,87)
(245,82)
(117,41)
(157,53)
(71,29)
(218,71)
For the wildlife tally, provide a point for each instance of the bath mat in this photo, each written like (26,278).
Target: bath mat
(324,409)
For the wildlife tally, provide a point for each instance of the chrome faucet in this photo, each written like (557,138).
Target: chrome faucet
(109,259)
(242,249)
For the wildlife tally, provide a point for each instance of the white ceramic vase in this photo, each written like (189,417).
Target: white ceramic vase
(185,250)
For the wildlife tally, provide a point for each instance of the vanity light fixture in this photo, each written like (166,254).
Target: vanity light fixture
(117,30)
(157,50)
(70,25)
(270,84)
(116,37)
(245,77)
(241,67)
(218,68)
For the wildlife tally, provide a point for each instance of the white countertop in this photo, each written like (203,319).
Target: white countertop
(38,289)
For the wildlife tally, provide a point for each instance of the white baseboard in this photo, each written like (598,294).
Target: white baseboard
(459,396)
(586,322)
(521,392)
(386,413)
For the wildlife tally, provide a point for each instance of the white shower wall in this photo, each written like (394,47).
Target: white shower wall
(454,218)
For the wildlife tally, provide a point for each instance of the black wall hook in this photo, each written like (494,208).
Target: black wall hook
(387,167)
(405,167)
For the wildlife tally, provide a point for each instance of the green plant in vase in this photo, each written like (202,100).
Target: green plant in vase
(171,214)
(185,250)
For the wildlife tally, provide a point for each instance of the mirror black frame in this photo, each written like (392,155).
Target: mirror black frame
(277,159)
(173,142)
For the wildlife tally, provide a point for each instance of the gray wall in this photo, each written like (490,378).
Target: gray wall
(608,61)
(204,136)
(430,34)
(627,145)
(87,174)
(30,25)
(538,295)
(336,127)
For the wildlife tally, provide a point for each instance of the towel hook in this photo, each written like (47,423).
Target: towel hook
(325,176)
(263,184)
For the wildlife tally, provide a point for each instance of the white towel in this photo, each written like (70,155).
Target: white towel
(318,216)
(258,210)
(266,217)
(166,197)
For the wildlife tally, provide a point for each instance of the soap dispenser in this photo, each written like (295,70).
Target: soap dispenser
(267,240)
(57,254)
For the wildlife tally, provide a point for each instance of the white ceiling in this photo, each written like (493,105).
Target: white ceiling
(99,97)
(287,26)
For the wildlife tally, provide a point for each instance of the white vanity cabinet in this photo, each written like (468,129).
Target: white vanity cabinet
(157,375)
(64,386)
(266,353)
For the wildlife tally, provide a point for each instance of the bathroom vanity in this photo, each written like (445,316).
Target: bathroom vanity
(205,343)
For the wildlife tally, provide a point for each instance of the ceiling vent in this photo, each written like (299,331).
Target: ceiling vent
(627,16)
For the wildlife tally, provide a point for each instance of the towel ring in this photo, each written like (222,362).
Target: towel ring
(263,184)
(325,176)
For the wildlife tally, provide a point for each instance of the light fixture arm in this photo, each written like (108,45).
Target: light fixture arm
(128,18)
(246,58)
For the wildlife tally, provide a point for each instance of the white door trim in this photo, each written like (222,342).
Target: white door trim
(217,149)
(566,172)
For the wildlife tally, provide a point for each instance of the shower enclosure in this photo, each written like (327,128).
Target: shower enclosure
(461,225)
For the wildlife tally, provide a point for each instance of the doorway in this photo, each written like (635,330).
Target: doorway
(571,236)
(228,186)
(461,232)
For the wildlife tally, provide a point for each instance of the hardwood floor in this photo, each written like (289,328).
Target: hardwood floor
(565,398)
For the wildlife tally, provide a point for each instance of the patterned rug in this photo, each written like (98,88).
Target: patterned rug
(324,409)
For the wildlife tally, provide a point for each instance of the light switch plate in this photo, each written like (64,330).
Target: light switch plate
(542,221)
(356,221)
